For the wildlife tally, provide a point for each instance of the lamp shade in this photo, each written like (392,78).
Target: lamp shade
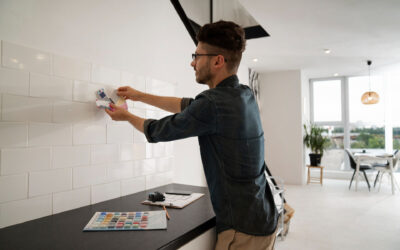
(370,97)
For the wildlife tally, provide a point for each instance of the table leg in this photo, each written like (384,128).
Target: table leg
(321,175)
(391,175)
(357,173)
(308,176)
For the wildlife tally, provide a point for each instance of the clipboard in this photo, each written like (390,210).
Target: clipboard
(175,201)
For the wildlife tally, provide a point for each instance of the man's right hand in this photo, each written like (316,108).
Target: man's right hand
(130,93)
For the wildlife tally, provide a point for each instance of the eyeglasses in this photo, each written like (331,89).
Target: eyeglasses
(195,55)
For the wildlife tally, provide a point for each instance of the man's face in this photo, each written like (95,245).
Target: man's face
(201,65)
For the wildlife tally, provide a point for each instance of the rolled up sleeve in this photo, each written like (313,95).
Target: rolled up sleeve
(198,117)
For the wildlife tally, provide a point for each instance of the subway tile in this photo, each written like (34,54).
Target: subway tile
(138,112)
(24,210)
(22,160)
(71,68)
(85,91)
(138,136)
(13,187)
(73,112)
(89,175)
(71,156)
(22,108)
(148,166)
(41,134)
(121,170)
(50,87)
(24,58)
(105,75)
(14,82)
(105,192)
(159,149)
(136,151)
(149,150)
(156,180)
(138,168)
(157,87)
(89,134)
(101,117)
(169,148)
(104,153)
(13,134)
(50,181)
(164,164)
(163,113)
(120,133)
(133,185)
(72,199)
(151,114)
(141,105)
(134,81)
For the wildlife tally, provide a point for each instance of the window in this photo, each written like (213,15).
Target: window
(361,114)
(327,100)
(336,106)
(394,83)
(333,158)
(327,103)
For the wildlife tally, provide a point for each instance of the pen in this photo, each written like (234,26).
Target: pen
(166,212)
(177,193)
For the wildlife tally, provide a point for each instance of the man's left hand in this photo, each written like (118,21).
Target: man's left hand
(117,113)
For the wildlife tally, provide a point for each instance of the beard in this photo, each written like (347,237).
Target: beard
(203,75)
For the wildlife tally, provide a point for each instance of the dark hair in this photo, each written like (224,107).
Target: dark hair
(227,38)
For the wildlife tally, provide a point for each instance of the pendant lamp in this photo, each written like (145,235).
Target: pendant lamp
(369,97)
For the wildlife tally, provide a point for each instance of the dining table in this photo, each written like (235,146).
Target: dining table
(372,159)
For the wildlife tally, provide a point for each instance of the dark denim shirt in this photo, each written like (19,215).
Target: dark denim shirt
(227,122)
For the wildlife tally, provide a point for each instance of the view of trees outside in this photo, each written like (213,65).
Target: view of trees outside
(396,138)
(367,122)
(364,138)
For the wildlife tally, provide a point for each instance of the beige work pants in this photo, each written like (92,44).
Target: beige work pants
(234,240)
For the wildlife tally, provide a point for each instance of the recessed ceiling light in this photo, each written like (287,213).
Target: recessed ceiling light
(327,51)
(255,60)
(336,74)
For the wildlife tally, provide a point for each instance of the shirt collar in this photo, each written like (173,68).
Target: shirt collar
(230,81)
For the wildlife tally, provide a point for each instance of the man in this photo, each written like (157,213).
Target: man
(227,122)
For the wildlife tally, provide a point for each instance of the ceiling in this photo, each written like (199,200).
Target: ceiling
(300,31)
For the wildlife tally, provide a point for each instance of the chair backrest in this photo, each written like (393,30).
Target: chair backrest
(396,161)
(353,163)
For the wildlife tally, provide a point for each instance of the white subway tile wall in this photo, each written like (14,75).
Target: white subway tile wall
(58,151)
(14,82)
(50,87)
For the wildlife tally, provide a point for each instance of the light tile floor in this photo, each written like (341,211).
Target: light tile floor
(333,217)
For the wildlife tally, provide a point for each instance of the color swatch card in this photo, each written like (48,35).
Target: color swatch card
(175,201)
(116,221)
(106,96)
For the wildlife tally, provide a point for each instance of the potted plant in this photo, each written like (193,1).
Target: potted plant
(316,142)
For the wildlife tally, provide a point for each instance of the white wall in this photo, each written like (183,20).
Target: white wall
(59,152)
(281,112)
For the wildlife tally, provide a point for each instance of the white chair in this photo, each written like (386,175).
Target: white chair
(389,169)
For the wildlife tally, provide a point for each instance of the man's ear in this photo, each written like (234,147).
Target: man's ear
(220,61)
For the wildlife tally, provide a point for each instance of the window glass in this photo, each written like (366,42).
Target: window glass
(360,113)
(327,100)
(333,158)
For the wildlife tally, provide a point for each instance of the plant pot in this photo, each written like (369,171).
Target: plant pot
(315,159)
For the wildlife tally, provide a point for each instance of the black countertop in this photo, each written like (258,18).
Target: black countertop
(64,230)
